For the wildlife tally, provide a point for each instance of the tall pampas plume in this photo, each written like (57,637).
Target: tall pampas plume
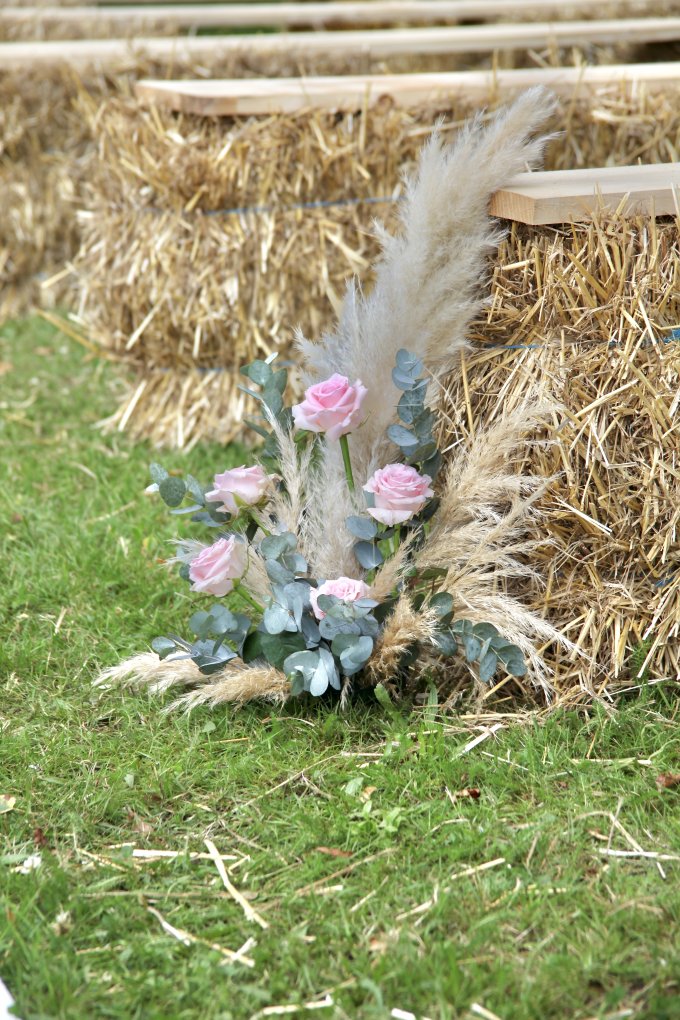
(427,289)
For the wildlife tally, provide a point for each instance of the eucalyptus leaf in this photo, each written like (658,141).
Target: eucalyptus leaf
(259,429)
(276,619)
(180,511)
(331,668)
(205,518)
(369,626)
(354,658)
(295,562)
(488,664)
(330,627)
(216,513)
(273,399)
(402,380)
(275,648)
(362,527)
(274,546)
(431,573)
(408,363)
(487,631)
(258,372)
(158,473)
(163,646)
(278,573)
(196,490)
(423,426)
(279,380)
(404,438)
(327,603)
(313,668)
(198,624)
(445,642)
(297,685)
(411,403)
(319,680)
(513,661)
(442,603)
(310,631)
(172,490)
(432,465)
(368,555)
(472,646)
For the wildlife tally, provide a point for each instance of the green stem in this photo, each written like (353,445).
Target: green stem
(258,521)
(240,590)
(344,446)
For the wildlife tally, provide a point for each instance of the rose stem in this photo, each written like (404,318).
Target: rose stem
(258,521)
(344,446)
(248,598)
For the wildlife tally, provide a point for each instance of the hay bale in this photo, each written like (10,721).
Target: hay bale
(174,285)
(590,311)
(46,117)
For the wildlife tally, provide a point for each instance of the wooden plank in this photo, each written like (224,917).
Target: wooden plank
(252,96)
(299,14)
(378,43)
(560,196)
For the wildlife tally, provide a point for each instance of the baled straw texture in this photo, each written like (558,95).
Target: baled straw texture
(47,145)
(41,235)
(587,312)
(185,294)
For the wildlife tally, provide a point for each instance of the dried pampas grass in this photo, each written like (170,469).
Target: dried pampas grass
(426,292)
(236,685)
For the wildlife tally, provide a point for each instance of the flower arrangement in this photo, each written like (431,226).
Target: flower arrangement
(320,632)
(357,552)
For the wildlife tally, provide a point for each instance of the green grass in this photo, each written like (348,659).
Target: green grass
(556,931)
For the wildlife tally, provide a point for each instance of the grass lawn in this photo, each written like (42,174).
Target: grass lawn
(386,891)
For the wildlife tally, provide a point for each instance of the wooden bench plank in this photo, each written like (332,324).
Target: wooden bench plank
(377,43)
(283,15)
(560,196)
(251,96)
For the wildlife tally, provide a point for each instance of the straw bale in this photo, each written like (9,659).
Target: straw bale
(175,286)
(588,311)
(46,119)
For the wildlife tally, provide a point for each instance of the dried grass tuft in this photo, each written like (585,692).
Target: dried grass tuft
(404,628)
(236,685)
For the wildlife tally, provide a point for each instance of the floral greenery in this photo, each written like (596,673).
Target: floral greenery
(304,629)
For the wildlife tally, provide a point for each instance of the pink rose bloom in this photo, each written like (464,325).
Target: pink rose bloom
(248,485)
(344,588)
(217,566)
(399,492)
(333,407)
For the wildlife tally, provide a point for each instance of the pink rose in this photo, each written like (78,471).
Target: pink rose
(345,588)
(217,566)
(247,485)
(333,407)
(399,492)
